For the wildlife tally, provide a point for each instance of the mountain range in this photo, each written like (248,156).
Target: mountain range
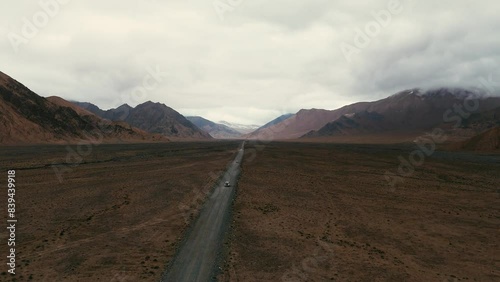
(410,112)
(242,128)
(151,117)
(27,118)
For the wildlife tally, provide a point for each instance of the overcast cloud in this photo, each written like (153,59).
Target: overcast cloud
(264,59)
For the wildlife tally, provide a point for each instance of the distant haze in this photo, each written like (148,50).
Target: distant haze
(250,62)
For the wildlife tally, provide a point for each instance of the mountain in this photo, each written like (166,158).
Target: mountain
(415,111)
(63,103)
(242,128)
(215,130)
(119,113)
(151,117)
(349,124)
(275,121)
(27,118)
(90,108)
(298,125)
(411,111)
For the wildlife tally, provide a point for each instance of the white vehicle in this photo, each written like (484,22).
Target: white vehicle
(226,184)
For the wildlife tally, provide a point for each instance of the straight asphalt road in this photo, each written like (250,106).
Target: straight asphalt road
(196,260)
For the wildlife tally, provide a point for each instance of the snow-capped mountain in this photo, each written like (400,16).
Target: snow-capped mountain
(243,128)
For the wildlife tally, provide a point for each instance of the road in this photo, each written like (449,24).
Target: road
(196,260)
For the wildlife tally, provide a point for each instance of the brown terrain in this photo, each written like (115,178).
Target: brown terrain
(276,121)
(410,111)
(486,141)
(117,216)
(26,118)
(216,130)
(297,125)
(352,124)
(324,212)
(153,118)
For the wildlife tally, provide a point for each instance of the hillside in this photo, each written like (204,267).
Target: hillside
(409,111)
(275,121)
(27,118)
(216,130)
(416,111)
(297,125)
(486,141)
(151,117)
(357,123)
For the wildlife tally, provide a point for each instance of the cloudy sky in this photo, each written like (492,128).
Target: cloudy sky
(247,61)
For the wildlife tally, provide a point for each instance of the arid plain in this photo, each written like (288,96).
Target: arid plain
(118,215)
(303,212)
(324,212)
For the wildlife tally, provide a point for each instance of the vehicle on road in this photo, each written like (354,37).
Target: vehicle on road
(227,184)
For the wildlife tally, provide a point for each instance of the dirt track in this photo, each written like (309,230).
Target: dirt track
(197,258)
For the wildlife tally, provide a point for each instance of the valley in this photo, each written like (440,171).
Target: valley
(356,193)
(250,141)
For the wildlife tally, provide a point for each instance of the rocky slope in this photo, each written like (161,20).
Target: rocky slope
(415,111)
(216,130)
(275,121)
(486,141)
(27,118)
(151,117)
(410,111)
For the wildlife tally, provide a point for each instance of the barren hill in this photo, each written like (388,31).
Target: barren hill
(350,124)
(151,117)
(298,124)
(405,112)
(275,121)
(27,118)
(415,111)
(216,130)
(486,141)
